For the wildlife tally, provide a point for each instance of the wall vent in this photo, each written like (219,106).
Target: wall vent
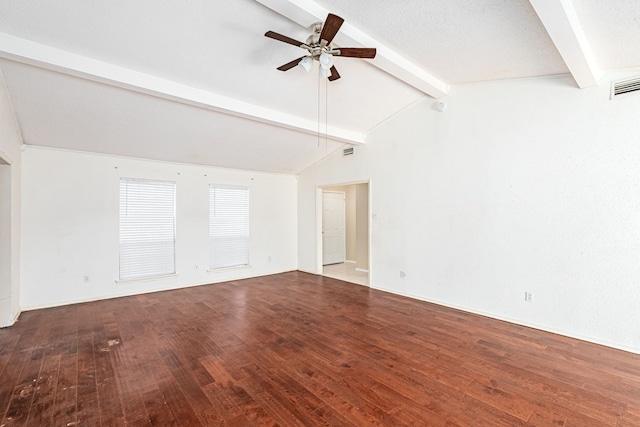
(347,151)
(625,86)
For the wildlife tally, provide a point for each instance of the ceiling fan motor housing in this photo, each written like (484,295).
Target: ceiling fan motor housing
(316,46)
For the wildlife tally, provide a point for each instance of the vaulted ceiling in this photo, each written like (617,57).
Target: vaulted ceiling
(195,81)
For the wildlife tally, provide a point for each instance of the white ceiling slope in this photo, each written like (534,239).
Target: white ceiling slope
(195,81)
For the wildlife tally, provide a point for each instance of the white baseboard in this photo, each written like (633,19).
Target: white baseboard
(362,270)
(13,320)
(148,291)
(517,322)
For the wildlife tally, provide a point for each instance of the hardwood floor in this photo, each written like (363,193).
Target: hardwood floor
(298,349)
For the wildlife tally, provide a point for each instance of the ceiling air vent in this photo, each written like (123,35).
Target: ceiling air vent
(347,151)
(625,86)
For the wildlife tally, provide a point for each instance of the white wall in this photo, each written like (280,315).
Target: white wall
(70,225)
(524,185)
(10,142)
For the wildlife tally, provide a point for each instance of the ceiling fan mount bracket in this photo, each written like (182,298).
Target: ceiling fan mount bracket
(316,27)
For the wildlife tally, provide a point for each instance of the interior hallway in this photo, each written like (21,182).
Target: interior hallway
(346,271)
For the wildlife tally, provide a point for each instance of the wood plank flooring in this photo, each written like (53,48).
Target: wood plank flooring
(296,349)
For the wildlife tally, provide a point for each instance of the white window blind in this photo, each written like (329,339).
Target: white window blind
(228,226)
(147,228)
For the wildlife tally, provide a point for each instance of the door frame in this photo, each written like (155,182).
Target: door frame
(318,231)
(6,224)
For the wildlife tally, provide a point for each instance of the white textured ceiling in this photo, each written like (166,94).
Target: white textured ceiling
(613,31)
(218,48)
(460,41)
(60,111)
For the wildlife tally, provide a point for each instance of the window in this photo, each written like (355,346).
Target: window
(147,228)
(228,226)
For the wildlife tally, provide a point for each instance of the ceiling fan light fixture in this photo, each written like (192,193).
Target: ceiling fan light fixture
(305,63)
(326,60)
(324,72)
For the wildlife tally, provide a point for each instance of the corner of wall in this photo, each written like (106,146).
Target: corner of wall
(10,146)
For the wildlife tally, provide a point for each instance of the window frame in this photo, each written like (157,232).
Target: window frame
(147,261)
(241,262)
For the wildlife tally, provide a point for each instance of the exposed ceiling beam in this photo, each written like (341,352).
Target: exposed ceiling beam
(561,22)
(307,12)
(47,57)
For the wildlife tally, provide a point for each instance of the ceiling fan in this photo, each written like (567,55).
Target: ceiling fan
(319,47)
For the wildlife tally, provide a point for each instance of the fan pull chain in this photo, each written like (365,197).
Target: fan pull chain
(318,112)
(326,115)
(326,112)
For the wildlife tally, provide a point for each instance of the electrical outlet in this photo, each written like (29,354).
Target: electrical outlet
(85,279)
(195,267)
(402,274)
(269,258)
(528,297)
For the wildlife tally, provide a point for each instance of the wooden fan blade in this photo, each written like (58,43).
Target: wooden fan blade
(331,27)
(334,74)
(285,39)
(358,52)
(290,65)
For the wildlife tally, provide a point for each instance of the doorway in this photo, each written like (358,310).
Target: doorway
(351,201)
(333,227)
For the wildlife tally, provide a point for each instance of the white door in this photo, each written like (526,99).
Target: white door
(333,228)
